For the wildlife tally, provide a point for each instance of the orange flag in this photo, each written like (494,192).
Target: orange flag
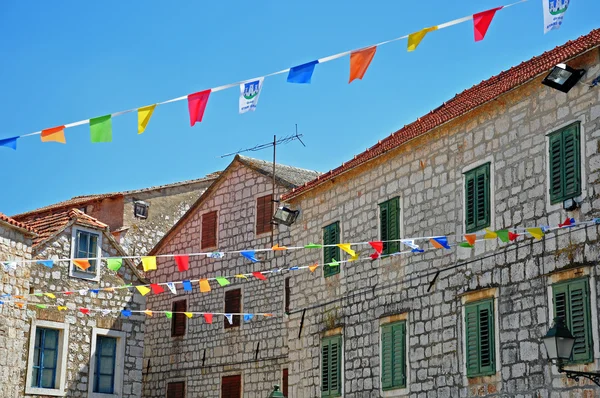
(313,267)
(471,238)
(277,247)
(360,61)
(83,264)
(204,286)
(55,134)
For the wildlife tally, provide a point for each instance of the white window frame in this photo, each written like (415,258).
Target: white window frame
(73,273)
(401,391)
(61,363)
(119,362)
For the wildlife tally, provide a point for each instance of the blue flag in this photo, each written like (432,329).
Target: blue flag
(126,313)
(9,142)
(249,254)
(46,263)
(187,286)
(302,73)
(248,317)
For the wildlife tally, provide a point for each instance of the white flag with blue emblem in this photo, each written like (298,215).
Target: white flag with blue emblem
(229,318)
(249,93)
(554,12)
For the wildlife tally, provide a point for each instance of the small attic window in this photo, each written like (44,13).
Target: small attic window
(140,209)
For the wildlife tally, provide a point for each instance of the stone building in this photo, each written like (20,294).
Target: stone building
(190,357)
(138,219)
(507,153)
(15,244)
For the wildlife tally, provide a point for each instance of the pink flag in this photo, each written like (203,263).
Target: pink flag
(196,105)
(183,263)
(208,318)
(482,21)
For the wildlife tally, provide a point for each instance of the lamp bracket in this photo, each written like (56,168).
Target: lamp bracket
(575,375)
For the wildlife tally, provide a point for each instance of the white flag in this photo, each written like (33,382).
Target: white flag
(554,12)
(106,312)
(229,318)
(216,255)
(410,243)
(171,287)
(249,93)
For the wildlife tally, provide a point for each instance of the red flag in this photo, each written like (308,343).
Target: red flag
(512,236)
(482,21)
(259,275)
(374,256)
(54,134)
(360,61)
(183,263)
(196,105)
(377,246)
(84,311)
(156,289)
(208,318)
(566,223)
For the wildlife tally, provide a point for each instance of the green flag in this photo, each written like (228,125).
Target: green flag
(503,235)
(114,264)
(101,129)
(334,263)
(169,314)
(466,244)
(222,281)
(312,246)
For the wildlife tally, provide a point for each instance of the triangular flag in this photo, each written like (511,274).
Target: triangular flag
(490,234)
(229,318)
(83,264)
(208,318)
(42,306)
(169,314)
(440,242)
(156,288)
(415,38)
(294,268)
(126,313)
(249,254)
(410,243)
(259,275)
(197,104)
(101,129)
(20,305)
(46,263)
(465,244)
(377,246)
(84,311)
(566,223)
(482,21)
(61,307)
(95,291)
(148,312)
(183,262)
(143,290)
(144,115)
(248,317)
(83,291)
(374,256)
(188,314)
(346,247)
(354,258)
(241,276)
(302,73)
(149,263)
(471,238)
(114,264)
(187,286)
(334,263)
(171,287)
(9,142)
(222,281)
(215,255)
(50,295)
(105,311)
(38,294)
(313,246)
(503,235)
(54,134)
(277,247)
(360,61)
(204,286)
(313,267)
(512,236)
(535,232)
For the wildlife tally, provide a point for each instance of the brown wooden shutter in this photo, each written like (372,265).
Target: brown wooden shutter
(176,390)
(284,382)
(264,210)
(178,322)
(287,295)
(231,386)
(209,229)
(233,304)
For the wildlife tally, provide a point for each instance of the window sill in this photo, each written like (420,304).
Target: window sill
(395,392)
(44,391)
(103,395)
(472,376)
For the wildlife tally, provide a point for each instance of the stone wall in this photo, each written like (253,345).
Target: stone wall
(44,279)
(427,175)
(13,320)
(208,351)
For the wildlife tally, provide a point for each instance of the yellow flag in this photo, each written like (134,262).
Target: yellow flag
(204,286)
(490,234)
(241,276)
(149,263)
(148,312)
(50,295)
(144,115)
(61,307)
(346,247)
(313,267)
(415,38)
(188,314)
(537,233)
(143,290)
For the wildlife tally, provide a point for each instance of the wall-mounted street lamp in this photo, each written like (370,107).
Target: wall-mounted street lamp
(285,216)
(562,77)
(559,344)
(276,393)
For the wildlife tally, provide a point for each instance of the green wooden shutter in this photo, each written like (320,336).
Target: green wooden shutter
(331,236)
(325,367)
(389,216)
(331,366)
(399,357)
(554,161)
(383,225)
(482,187)
(386,357)
(572,163)
(472,340)
(471,221)
(572,303)
(479,338)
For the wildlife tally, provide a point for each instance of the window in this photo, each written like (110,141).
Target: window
(106,363)
(176,389)
(264,213)
(287,296)
(331,367)
(284,382)
(231,386)
(86,246)
(393,355)
(477,198)
(389,216)
(572,303)
(47,358)
(233,304)
(209,230)
(479,338)
(564,164)
(331,236)
(140,209)
(179,320)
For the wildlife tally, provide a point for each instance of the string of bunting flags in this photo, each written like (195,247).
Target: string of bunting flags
(204,284)
(250,90)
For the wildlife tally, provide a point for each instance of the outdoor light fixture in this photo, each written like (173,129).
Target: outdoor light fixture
(562,77)
(559,344)
(276,393)
(285,216)
(570,204)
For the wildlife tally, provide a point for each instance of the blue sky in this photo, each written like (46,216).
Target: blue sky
(71,60)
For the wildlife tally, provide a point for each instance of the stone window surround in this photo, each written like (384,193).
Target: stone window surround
(473,165)
(400,220)
(398,392)
(582,144)
(472,297)
(83,275)
(63,351)
(255,205)
(339,331)
(177,380)
(565,275)
(232,373)
(119,362)
(226,289)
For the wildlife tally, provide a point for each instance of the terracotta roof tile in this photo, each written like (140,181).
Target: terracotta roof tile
(463,103)
(13,222)
(49,225)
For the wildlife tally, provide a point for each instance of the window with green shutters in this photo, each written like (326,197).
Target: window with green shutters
(477,198)
(479,338)
(572,303)
(331,236)
(331,367)
(393,355)
(389,222)
(564,162)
